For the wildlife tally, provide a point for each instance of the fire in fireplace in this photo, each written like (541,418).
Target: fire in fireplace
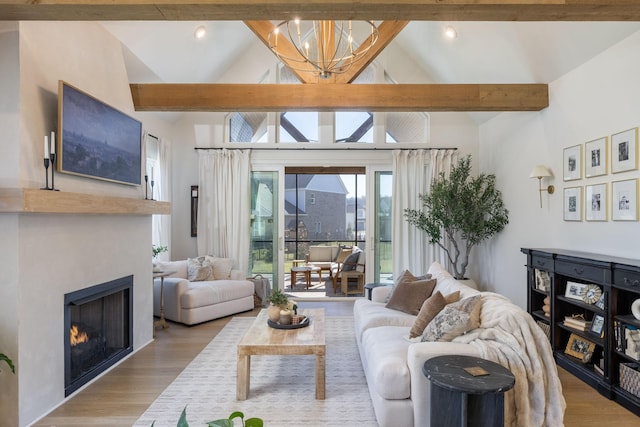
(98,330)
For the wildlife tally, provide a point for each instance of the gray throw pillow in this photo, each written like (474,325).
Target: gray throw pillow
(351,261)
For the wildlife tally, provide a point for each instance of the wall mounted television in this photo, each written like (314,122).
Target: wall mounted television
(96,140)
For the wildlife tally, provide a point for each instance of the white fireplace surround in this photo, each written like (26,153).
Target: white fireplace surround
(54,255)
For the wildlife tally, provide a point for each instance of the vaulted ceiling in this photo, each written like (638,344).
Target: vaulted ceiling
(494,45)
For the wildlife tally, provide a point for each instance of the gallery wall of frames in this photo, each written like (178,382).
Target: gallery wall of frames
(602,198)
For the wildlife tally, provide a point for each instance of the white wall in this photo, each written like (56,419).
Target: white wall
(207,130)
(599,98)
(45,256)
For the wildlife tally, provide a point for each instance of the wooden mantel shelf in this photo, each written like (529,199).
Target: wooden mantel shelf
(32,200)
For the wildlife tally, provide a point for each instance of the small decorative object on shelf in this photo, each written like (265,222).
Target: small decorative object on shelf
(146,187)
(49,160)
(635,308)
(591,294)
(546,308)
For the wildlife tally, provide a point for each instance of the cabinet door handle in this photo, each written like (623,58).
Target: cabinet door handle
(633,283)
(578,270)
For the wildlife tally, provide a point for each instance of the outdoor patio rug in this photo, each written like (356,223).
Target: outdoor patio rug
(282,387)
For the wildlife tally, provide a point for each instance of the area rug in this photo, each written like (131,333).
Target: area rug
(282,387)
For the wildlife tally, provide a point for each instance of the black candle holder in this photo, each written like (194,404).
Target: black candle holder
(146,187)
(46,175)
(152,184)
(52,156)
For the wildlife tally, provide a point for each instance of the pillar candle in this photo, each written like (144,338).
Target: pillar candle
(46,147)
(53,142)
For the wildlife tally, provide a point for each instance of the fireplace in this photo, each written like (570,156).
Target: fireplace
(98,330)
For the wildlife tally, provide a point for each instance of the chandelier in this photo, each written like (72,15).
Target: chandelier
(321,47)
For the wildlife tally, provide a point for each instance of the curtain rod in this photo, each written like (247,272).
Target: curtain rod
(321,149)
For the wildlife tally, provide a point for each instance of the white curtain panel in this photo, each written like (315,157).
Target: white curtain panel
(162,223)
(224,203)
(413,172)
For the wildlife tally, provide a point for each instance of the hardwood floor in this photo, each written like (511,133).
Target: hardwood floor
(120,397)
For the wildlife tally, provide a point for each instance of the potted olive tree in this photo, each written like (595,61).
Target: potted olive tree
(464,209)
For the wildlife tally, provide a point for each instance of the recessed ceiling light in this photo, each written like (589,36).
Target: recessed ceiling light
(200,32)
(450,32)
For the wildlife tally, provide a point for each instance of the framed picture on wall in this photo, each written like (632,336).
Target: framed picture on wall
(595,157)
(572,163)
(624,149)
(573,204)
(595,202)
(624,200)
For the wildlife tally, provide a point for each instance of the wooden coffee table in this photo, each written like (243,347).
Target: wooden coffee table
(261,339)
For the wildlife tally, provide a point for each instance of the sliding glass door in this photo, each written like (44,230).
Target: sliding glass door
(382,236)
(264,256)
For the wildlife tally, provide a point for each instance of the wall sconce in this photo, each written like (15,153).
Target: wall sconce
(540,171)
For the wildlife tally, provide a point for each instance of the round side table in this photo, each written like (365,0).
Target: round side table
(467,391)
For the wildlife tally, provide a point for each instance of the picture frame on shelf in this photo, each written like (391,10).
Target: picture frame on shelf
(596,203)
(572,160)
(602,301)
(580,348)
(597,325)
(624,200)
(543,280)
(573,204)
(575,290)
(595,157)
(624,151)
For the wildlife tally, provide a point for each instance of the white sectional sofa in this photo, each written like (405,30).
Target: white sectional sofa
(393,363)
(192,302)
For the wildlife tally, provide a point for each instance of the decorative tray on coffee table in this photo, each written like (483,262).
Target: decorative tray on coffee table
(303,324)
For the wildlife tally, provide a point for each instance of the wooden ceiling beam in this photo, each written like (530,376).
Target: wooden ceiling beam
(339,97)
(387,31)
(303,71)
(391,10)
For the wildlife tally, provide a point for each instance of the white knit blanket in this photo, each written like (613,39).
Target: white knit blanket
(509,336)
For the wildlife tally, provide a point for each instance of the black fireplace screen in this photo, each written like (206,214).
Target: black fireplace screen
(98,330)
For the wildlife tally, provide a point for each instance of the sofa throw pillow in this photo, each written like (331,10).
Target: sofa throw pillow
(351,261)
(454,320)
(408,297)
(431,306)
(406,275)
(452,297)
(221,267)
(199,269)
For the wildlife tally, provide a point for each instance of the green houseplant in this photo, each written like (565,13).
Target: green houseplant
(224,422)
(8,361)
(465,209)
